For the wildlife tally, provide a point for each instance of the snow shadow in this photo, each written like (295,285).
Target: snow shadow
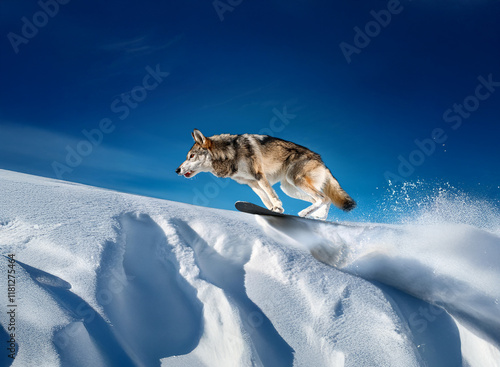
(453,266)
(432,330)
(423,296)
(468,305)
(154,309)
(229,276)
(90,338)
(5,360)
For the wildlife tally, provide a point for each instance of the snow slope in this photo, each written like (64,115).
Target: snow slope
(111,279)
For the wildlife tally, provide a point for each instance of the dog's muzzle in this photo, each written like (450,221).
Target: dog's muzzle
(186,174)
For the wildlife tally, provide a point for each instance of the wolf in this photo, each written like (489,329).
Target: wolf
(260,161)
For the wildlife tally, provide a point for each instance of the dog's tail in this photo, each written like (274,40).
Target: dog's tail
(337,195)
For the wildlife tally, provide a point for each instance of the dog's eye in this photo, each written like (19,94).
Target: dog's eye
(191,156)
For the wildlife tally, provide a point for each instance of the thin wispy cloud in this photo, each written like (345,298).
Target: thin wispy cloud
(125,45)
(29,145)
(141,45)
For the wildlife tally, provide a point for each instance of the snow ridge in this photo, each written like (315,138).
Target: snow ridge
(110,279)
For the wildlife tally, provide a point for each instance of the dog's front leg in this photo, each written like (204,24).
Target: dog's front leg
(262,194)
(277,206)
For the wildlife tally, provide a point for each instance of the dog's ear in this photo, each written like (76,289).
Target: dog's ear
(201,139)
(198,136)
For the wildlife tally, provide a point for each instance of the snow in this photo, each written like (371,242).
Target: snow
(111,279)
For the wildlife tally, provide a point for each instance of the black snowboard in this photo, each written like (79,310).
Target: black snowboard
(246,207)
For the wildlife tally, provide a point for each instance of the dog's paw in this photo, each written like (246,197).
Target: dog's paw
(278,209)
(304,213)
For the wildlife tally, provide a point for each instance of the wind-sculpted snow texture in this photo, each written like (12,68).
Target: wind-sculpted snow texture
(111,279)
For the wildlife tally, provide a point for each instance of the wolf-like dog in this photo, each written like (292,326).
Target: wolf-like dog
(260,161)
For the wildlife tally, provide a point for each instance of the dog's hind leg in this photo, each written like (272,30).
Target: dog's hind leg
(321,212)
(319,199)
(294,192)
(311,210)
(305,180)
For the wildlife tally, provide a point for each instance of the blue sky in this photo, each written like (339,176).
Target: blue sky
(405,91)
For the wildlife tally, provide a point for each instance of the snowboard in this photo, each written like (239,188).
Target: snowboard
(246,207)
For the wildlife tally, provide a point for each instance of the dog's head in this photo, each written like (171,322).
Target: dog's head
(199,158)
